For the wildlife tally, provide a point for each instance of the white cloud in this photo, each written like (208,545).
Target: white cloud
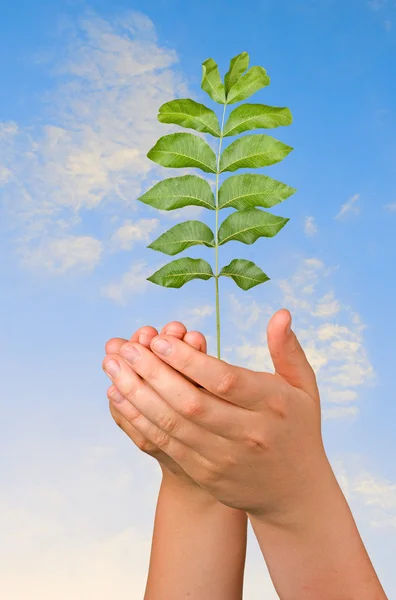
(349,207)
(195,316)
(130,283)
(244,314)
(371,496)
(131,232)
(90,150)
(391,207)
(327,306)
(388,25)
(63,254)
(310,227)
(336,350)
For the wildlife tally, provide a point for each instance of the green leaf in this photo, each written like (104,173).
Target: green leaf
(178,192)
(245,273)
(183,150)
(255,79)
(238,66)
(178,272)
(211,81)
(190,114)
(250,189)
(247,226)
(256,116)
(182,236)
(252,151)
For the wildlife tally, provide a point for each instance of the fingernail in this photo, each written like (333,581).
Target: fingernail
(143,339)
(112,367)
(162,347)
(130,353)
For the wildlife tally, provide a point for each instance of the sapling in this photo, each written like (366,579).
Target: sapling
(244,192)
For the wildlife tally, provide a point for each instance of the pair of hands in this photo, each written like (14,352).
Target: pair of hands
(251,439)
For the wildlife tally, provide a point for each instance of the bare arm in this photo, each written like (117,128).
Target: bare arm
(319,553)
(199,546)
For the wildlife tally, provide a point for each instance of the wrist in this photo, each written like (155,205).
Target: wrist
(317,551)
(185,487)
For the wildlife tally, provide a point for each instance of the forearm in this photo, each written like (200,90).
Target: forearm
(198,549)
(322,555)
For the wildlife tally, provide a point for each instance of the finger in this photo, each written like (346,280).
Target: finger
(192,403)
(153,441)
(288,356)
(162,420)
(196,340)
(115,399)
(175,328)
(237,385)
(145,333)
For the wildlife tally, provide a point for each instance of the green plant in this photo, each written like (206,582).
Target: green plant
(244,192)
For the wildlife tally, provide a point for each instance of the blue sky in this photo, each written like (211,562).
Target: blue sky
(80,88)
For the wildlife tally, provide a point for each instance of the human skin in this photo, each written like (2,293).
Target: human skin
(253,440)
(199,545)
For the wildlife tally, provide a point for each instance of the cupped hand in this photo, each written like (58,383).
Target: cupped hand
(124,413)
(252,439)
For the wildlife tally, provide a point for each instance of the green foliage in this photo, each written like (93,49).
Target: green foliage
(256,116)
(250,190)
(183,150)
(243,192)
(182,236)
(178,272)
(247,226)
(178,192)
(245,273)
(252,151)
(191,115)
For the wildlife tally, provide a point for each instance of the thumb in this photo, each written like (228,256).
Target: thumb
(287,355)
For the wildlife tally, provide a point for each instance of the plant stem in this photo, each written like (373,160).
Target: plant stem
(217,235)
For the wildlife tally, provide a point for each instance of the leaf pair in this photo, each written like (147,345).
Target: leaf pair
(178,150)
(243,226)
(175,274)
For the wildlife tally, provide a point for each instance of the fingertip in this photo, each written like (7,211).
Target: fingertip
(144,335)
(112,346)
(175,329)
(280,321)
(197,340)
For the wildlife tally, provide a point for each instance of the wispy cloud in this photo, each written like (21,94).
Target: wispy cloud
(134,281)
(90,150)
(349,207)
(133,231)
(331,334)
(372,497)
(57,256)
(391,207)
(195,316)
(310,227)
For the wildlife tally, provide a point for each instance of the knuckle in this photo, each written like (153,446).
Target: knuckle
(210,476)
(168,423)
(193,407)
(256,442)
(226,382)
(145,445)
(278,405)
(161,439)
